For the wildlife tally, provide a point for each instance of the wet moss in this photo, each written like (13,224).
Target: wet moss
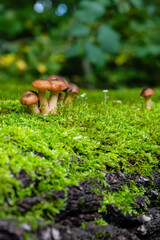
(79,143)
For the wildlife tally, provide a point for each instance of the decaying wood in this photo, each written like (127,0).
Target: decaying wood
(82,206)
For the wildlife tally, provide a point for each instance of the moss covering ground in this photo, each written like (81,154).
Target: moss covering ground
(77,144)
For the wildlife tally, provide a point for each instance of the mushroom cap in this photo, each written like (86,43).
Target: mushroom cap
(60,78)
(29,99)
(57,85)
(52,83)
(29,92)
(72,89)
(54,77)
(66,82)
(60,96)
(41,84)
(147,92)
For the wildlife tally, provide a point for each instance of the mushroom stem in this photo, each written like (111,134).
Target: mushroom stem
(148,102)
(33,108)
(53,102)
(43,102)
(69,100)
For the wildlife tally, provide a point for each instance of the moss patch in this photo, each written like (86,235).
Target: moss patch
(77,144)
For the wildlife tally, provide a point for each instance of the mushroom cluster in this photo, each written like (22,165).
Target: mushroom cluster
(37,102)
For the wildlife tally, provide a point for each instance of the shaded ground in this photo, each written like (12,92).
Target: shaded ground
(82,207)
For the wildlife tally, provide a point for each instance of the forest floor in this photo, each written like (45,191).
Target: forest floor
(90,172)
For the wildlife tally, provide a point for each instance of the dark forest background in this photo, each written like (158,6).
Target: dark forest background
(94,43)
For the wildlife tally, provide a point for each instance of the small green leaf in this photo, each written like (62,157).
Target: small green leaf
(108,39)
(80,30)
(74,51)
(90,11)
(94,54)
(105,3)
(137,3)
(93,6)
(124,7)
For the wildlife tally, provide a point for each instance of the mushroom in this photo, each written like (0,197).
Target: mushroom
(70,92)
(30,98)
(29,92)
(42,85)
(147,94)
(57,85)
(60,99)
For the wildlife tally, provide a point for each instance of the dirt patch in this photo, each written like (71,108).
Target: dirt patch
(76,221)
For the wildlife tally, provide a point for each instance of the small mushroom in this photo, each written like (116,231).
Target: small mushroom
(30,99)
(70,92)
(30,92)
(42,85)
(57,85)
(147,94)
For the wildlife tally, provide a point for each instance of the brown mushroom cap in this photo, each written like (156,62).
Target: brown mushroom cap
(52,83)
(54,77)
(29,92)
(66,82)
(57,85)
(41,84)
(58,78)
(72,89)
(29,99)
(147,92)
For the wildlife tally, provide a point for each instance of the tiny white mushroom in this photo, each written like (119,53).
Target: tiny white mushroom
(105,96)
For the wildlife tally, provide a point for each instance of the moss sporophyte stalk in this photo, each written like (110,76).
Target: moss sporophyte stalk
(40,154)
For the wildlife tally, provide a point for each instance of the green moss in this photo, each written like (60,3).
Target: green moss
(100,222)
(77,144)
(124,199)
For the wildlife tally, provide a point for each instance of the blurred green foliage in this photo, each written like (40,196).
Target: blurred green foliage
(98,43)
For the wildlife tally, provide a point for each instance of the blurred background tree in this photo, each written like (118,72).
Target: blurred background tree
(95,43)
